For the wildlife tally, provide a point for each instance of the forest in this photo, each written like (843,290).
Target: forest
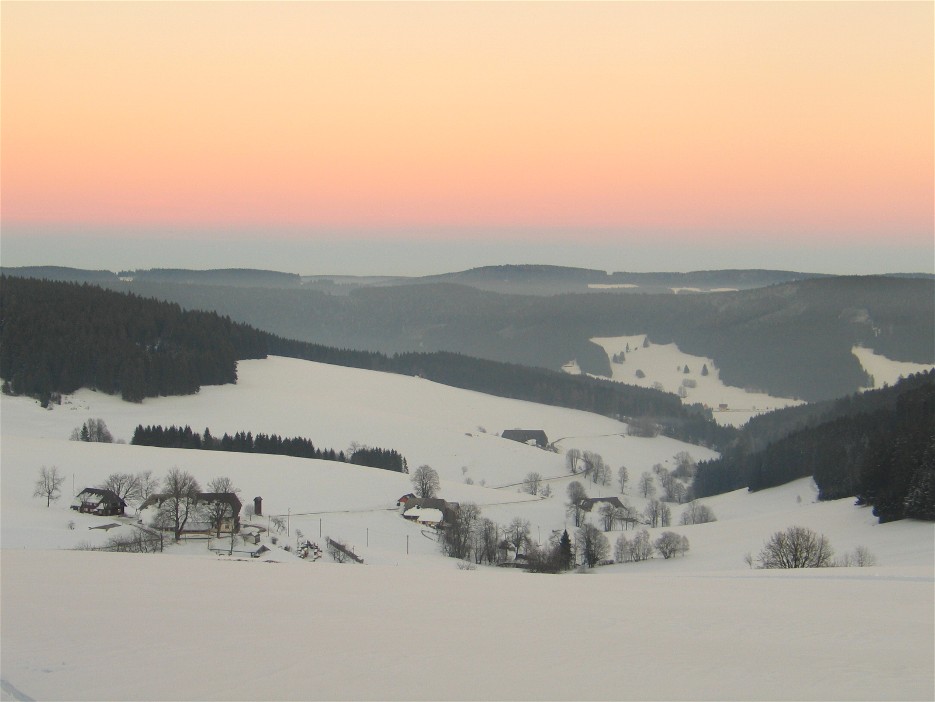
(879,445)
(248,442)
(56,337)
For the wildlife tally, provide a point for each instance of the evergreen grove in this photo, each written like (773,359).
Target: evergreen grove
(247,442)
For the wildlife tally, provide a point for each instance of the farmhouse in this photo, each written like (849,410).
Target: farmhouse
(535,437)
(206,502)
(622,513)
(434,512)
(588,503)
(100,501)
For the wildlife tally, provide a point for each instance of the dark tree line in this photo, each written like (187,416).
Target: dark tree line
(58,337)
(273,444)
(387,459)
(878,446)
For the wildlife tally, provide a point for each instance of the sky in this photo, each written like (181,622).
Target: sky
(416,138)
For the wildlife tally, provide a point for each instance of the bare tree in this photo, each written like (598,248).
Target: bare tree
(622,515)
(861,557)
(149,484)
(608,515)
(647,485)
(531,482)
(221,510)
(126,486)
(459,536)
(517,533)
(671,544)
(595,467)
(572,457)
(796,547)
(49,484)
(574,508)
(653,512)
(425,481)
(592,544)
(676,491)
(685,465)
(486,536)
(622,477)
(181,500)
(93,430)
(640,548)
(622,549)
(697,513)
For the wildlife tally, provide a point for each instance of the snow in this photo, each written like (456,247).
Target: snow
(663,366)
(190,624)
(678,291)
(885,371)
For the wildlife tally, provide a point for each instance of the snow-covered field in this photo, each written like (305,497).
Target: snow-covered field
(885,371)
(409,624)
(663,366)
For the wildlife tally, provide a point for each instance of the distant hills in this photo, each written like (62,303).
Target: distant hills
(785,333)
(56,337)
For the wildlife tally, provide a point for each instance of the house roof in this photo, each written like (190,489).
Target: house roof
(425,515)
(447,509)
(525,435)
(588,502)
(228,497)
(103,494)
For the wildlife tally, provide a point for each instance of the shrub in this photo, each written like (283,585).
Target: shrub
(796,547)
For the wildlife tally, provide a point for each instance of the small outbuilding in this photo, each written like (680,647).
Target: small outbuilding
(404,500)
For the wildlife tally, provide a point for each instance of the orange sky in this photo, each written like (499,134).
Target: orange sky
(784,121)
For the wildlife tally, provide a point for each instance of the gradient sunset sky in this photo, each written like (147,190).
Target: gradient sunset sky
(413,138)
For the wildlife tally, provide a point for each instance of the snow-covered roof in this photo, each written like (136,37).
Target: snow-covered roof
(425,515)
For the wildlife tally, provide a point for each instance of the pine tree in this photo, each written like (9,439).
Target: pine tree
(566,556)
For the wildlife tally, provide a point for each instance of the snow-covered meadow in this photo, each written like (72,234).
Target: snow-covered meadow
(409,624)
(663,366)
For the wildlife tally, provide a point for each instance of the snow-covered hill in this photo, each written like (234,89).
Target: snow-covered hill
(408,624)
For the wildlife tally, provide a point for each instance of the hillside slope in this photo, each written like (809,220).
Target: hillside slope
(189,624)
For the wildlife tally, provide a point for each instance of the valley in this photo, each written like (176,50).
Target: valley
(317,623)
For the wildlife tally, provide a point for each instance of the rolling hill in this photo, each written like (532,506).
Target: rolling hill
(191,624)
